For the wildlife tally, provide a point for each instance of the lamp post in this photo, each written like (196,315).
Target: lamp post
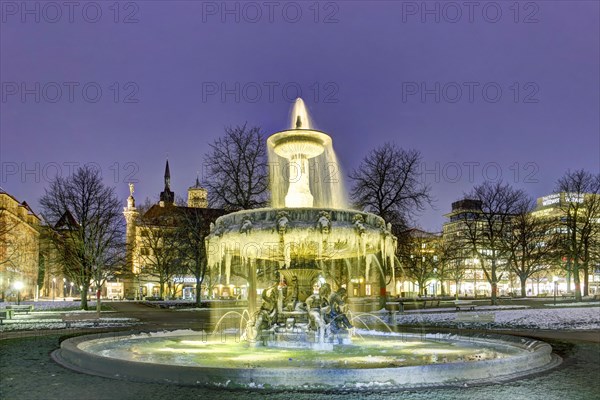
(64,288)
(71,291)
(555,280)
(18,287)
(53,286)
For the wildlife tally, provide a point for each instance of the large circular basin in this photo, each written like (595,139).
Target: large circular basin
(372,361)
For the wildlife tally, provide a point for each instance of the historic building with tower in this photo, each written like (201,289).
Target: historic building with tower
(151,241)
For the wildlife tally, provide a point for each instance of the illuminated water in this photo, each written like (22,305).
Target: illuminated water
(368,352)
(22,357)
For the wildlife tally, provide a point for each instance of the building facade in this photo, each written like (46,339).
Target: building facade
(19,249)
(463,269)
(152,243)
(465,276)
(575,217)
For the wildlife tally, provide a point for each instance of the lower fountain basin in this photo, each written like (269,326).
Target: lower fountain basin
(385,361)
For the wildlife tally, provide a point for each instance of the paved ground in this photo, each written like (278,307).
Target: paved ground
(27,372)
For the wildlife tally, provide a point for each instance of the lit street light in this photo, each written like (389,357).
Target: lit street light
(18,287)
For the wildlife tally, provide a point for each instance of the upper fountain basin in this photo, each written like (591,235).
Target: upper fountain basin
(291,142)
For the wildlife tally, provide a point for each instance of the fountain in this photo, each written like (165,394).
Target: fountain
(315,263)
(307,239)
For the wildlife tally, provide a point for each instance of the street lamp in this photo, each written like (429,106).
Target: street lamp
(64,288)
(18,286)
(71,292)
(555,280)
(53,286)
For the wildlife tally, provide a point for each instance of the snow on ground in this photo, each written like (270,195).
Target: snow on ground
(55,323)
(583,318)
(582,304)
(46,315)
(209,309)
(52,305)
(485,308)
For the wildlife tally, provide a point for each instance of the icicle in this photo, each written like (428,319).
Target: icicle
(227,267)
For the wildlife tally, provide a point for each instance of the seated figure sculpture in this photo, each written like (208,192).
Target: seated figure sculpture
(291,301)
(266,315)
(318,310)
(337,314)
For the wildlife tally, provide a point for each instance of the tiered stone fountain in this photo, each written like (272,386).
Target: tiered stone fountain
(305,253)
(301,243)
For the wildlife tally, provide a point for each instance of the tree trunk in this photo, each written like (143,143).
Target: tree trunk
(577,281)
(586,279)
(568,267)
(494,293)
(523,286)
(98,301)
(84,292)
(198,292)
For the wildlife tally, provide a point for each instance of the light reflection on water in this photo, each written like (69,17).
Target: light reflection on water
(372,352)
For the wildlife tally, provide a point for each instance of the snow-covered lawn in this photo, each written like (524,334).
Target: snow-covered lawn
(53,305)
(576,318)
(484,308)
(47,315)
(582,304)
(54,323)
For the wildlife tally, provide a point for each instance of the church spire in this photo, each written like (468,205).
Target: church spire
(167,196)
(167,176)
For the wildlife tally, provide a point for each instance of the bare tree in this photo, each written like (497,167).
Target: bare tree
(158,252)
(448,268)
(88,231)
(192,230)
(455,271)
(530,243)
(237,174)
(487,228)
(417,252)
(388,183)
(580,209)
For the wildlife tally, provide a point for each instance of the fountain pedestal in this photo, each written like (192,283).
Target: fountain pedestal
(300,282)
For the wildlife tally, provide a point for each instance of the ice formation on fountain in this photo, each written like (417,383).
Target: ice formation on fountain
(308,235)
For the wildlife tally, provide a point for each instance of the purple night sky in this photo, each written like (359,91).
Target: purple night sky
(368,62)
